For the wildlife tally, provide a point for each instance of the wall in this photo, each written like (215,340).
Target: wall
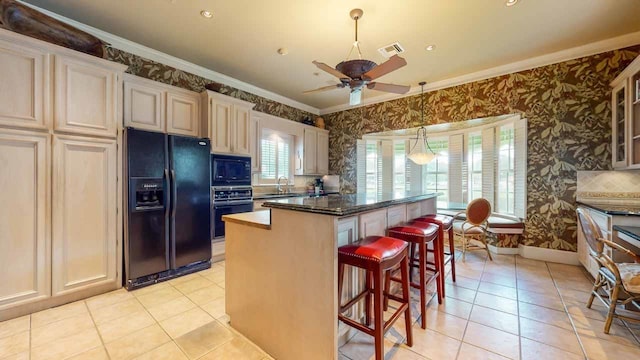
(569,129)
(609,186)
(149,69)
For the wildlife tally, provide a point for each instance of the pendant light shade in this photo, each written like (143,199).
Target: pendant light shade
(420,155)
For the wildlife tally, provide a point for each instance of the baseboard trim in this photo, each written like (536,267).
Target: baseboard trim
(550,255)
(538,253)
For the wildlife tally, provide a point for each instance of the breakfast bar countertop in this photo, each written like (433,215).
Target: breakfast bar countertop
(610,208)
(347,204)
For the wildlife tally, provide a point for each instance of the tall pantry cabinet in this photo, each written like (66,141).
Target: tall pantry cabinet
(60,167)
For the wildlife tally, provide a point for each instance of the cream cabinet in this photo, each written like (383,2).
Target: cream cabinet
(396,215)
(315,152)
(625,122)
(373,223)
(255,138)
(347,233)
(85,96)
(24,217)
(84,238)
(150,105)
(227,122)
(24,80)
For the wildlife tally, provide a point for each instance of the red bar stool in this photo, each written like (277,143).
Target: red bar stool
(376,255)
(419,236)
(445,223)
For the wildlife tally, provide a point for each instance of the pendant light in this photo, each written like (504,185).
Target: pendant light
(417,155)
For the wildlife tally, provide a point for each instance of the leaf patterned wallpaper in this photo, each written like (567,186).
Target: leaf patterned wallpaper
(149,69)
(569,129)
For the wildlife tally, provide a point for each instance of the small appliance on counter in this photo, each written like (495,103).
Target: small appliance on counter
(231,191)
(168,214)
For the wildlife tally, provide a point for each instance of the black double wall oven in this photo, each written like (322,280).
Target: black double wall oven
(231,191)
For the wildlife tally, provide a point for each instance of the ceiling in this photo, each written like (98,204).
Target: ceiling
(242,38)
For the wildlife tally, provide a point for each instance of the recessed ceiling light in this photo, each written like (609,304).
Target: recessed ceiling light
(207,14)
(511,2)
(283,51)
(430,47)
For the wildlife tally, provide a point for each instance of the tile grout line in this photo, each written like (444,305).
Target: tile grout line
(566,310)
(95,325)
(466,326)
(160,326)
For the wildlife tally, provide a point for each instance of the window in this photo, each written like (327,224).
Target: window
(275,152)
(436,173)
(474,164)
(371,166)
(399,165)
(506,169)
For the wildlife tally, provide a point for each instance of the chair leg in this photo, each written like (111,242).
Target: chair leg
(412,254)
(378,333)
(486,246)
(387,288)
(406,296)
(422,252)
(340,280)
(612,308)
(464,247)
(596,286)
(367,298)
(439,261)
(452,251)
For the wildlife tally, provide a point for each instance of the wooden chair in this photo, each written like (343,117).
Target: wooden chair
(616,283)
(475,226)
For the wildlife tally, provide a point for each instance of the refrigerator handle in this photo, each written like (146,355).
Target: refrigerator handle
(174,190)
(168,204)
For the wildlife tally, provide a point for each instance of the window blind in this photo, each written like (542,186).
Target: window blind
(488,165)
(456,145)
(385,167)
(520,206)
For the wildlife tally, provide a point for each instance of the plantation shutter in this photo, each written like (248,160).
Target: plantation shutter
(361,166)
(385,167)
(413,171)
(456,150)
(268,161)
(465,168)
(520,162)
(489,160)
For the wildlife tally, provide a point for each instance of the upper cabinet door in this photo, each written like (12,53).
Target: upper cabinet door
(322,156)
(24,80)
(310,145)
(143,106)
(24,239)
(242,131)
(254,143)
(183,113)
(619,125)
(85,97)
(84,239)
(220,129)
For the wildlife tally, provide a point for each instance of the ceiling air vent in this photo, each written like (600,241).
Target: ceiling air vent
(391,49)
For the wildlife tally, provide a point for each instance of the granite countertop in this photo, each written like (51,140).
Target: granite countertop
(289,195)
(632,231)
(347,204)
(614,208)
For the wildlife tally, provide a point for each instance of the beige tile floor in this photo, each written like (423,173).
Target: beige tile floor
(511,308)
(183,318)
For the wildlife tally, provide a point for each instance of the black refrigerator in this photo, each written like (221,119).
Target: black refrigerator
(168,220)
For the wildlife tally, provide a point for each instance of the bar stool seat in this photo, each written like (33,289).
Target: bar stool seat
(445,222)
(376,255)
(419,236)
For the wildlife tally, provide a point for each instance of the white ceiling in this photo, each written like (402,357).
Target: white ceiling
(242,39)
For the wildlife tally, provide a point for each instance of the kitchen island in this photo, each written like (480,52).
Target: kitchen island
(282,268)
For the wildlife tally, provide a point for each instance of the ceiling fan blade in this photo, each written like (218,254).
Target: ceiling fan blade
(324,88)
(330,70)
(392,88)
(355,97)
(395,62)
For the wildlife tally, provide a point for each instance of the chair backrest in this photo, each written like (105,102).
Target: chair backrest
(478,211)
(591,232)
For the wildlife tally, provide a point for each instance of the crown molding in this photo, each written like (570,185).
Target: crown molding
(598,47)
(166,59)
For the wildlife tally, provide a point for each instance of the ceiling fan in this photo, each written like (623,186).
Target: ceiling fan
(358,73)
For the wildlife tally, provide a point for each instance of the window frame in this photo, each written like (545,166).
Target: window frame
(280,137)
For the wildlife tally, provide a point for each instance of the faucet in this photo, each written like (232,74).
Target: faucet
(279,187)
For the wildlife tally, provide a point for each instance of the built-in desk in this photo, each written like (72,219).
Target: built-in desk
(282,276)
(630,235)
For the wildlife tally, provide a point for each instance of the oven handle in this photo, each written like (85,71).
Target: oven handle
(232,202)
